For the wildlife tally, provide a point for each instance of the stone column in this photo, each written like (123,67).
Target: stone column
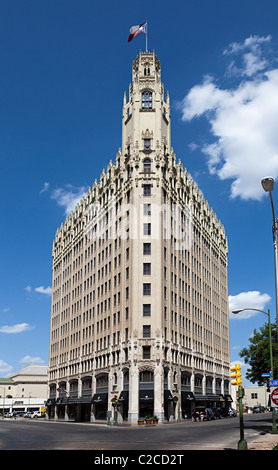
(133,410)
(159,392)
(93,418)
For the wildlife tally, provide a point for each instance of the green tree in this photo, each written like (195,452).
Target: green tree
(257,355)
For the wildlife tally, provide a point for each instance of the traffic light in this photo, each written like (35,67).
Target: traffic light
(116,399)
(267,385)
(236,375)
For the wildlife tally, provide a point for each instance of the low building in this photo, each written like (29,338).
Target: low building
(25,390)
(253,396)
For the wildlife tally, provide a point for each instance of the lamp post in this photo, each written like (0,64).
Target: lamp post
(268,185)
(3,401)
(274,428)
(179,389)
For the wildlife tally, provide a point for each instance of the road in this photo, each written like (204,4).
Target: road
(26,434)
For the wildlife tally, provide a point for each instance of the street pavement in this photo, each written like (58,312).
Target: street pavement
(264,442)
(21,434)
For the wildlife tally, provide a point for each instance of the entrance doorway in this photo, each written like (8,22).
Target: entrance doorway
(146,394)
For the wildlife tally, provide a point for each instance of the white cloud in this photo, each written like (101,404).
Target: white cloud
(19,328)
(252,55)
(4,368)
(68,197)
(243,123)
(250,299)
(45,188)
(27,359)
(40,289)
(43,290)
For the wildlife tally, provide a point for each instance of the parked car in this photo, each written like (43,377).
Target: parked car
(217,412)
(18,414)
(232,412)
(259,409)
(201,413)
(28,414)
(37,414)
(224,412)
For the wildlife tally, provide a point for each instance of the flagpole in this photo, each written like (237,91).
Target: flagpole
(146,36)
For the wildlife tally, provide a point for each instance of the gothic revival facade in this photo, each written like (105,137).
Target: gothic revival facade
(139,293)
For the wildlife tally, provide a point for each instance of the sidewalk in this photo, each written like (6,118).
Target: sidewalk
(264,442)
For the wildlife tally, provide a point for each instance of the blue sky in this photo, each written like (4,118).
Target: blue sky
(65,65)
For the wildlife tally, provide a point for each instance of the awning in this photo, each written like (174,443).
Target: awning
(228,398)
(186,396)
(201,397)
(221,397)
(167,396)
(72,401)
(100,398)
(146,396)
(124,397)
(50,401)
(213,397)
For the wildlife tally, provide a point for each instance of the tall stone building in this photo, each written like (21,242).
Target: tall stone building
(139,293)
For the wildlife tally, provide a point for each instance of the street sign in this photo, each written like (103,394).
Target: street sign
(265,374)
(274,396)
(273,383)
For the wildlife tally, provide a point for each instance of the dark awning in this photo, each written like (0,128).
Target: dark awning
(228,398)
(146,396)
(100,398)
(186,396)
(201,397)
(221,397)
(167,396)
(50,401)
(213,397)
(124,397)
(72,401)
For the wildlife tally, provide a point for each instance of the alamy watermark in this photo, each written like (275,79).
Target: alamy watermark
(145,221)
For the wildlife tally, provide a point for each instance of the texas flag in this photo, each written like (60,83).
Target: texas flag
(136,30)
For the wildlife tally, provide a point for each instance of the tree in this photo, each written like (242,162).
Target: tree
(257,355)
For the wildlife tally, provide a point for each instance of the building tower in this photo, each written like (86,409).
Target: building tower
(139,293)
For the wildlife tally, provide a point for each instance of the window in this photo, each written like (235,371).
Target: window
(147,288)
(147,99)
(147,229)
(147,190)
(146,331)
(147,161)
(146,352)
(147,269)
(147,248)
(147,146)
(146,310)
(147,209)
(146,376)
(147,70)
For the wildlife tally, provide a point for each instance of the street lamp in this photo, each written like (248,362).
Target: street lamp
(274,428)
(3,401)
(268,185)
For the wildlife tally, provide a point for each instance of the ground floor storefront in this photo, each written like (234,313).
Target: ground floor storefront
(100,408)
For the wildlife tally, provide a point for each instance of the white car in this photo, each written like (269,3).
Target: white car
(37,414)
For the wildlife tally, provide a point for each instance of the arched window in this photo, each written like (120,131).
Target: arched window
(147,165)
(147,70)
(147,99)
